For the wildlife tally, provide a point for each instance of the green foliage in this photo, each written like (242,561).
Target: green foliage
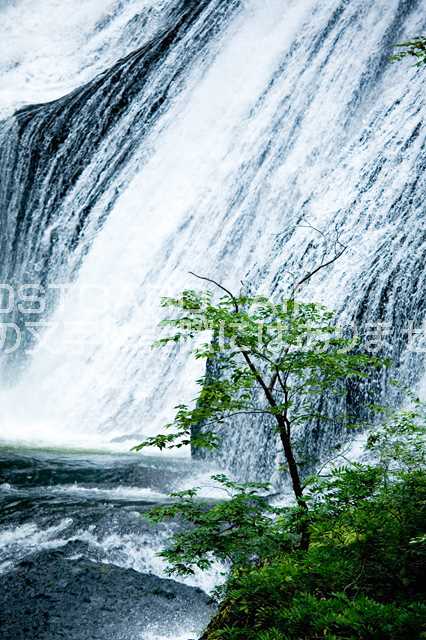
(361,577)
(363,525)
(291,352)
(237,530)
(346,561)
(272,359)
(338,617)
(415,48)
(400,442)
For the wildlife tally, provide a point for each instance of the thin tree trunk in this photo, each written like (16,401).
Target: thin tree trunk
(295,481)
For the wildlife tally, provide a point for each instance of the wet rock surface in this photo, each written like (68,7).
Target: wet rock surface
(50,596)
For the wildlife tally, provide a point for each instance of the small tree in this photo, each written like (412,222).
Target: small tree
(366,525)
(272,359)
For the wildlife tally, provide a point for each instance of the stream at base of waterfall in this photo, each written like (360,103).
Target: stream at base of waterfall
(79,560)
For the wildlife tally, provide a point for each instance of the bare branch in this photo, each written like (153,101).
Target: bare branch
(341,454)
(309,275)
(323,265)
(220,286)
(244,352)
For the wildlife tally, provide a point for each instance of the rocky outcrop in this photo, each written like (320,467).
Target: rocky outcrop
(52,597)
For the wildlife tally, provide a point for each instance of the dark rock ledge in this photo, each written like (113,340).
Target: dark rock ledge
(51,596)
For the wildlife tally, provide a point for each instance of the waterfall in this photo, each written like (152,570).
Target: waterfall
(199,135)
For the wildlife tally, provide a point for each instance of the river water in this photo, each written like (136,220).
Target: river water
(78,558)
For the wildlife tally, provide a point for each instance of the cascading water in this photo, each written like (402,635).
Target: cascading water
(204,149)
(142,139)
